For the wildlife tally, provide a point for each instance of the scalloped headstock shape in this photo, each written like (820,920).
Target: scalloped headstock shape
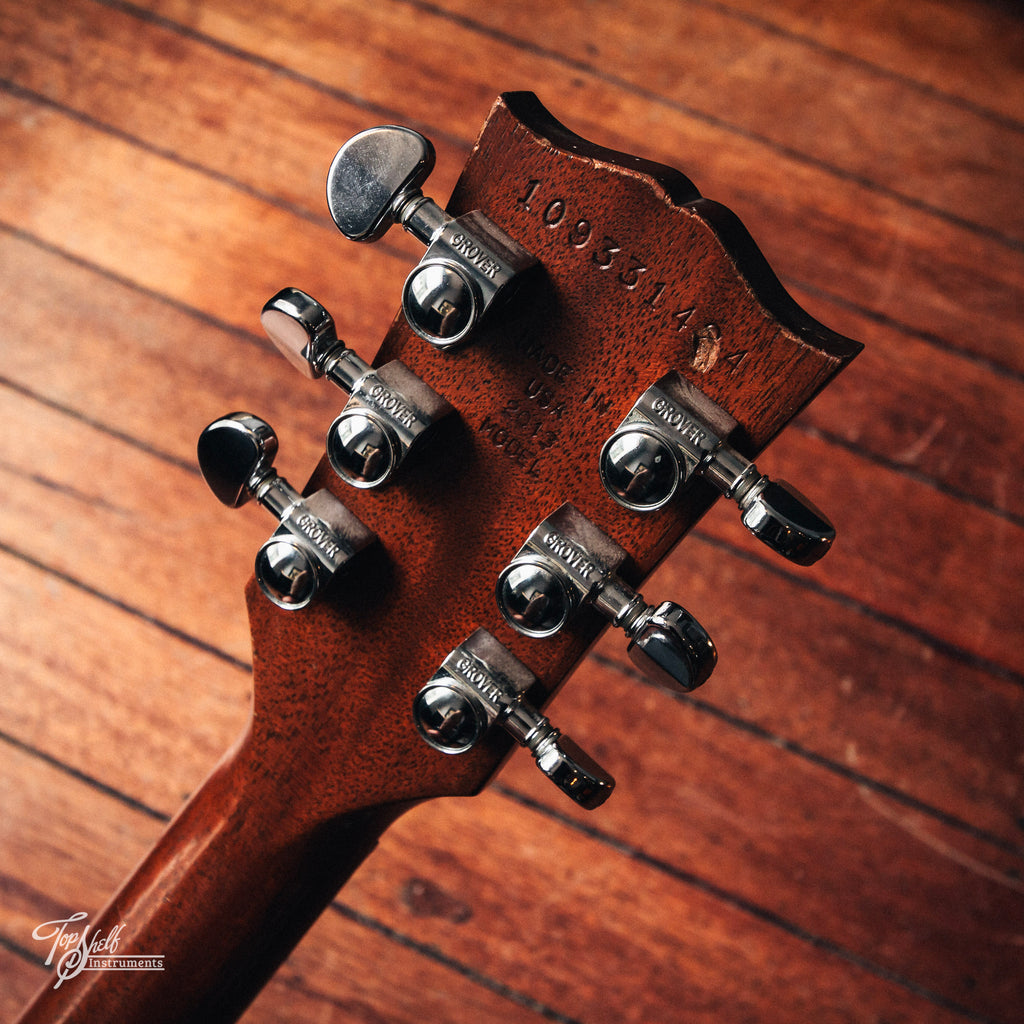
(638,275)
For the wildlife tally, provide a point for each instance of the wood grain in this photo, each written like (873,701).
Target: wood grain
(831,830)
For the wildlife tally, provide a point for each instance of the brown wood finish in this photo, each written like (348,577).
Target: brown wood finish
(830,830)
(638,275)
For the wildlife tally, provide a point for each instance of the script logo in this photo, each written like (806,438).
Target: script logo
(75,950)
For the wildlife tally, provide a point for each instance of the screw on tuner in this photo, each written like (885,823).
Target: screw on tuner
(567,562)
(470,263)
(317,535)
(675,434)
(480,685)
(389,409)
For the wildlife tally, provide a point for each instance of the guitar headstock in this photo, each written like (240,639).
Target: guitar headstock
(627,354)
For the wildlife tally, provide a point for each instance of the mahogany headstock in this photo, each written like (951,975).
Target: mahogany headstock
(637,275)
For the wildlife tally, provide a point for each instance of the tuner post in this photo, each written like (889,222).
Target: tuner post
(317,535)
(470,264)
(675,434)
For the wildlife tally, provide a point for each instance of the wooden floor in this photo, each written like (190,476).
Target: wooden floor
(833,830)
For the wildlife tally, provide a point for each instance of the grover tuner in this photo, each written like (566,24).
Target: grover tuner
(374,182)
(567,562)
(479,685)
(389,409)
(317,535)
(675,433)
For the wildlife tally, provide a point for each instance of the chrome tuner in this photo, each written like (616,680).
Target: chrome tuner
(389,409)
(675,434)
(567,562)
(374,182)
(317,535)
(480,685)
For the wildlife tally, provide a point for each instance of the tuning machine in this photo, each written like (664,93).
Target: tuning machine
(374,182)
(567,562)
(674,434)
(317,535)
(481,684)
(389,409)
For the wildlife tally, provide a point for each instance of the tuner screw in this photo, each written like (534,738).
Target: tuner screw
(481,684)
(674,434)
(567,562)
(389,409)
(317,535)
(373,182)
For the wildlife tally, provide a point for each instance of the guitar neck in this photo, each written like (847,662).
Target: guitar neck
(218,904)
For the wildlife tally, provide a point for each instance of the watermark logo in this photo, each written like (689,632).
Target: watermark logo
(74,949)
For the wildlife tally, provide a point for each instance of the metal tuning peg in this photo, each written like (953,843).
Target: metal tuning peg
(480,685)
(567,562)
(374,182)
(317,535)
(674,434)
(389,409)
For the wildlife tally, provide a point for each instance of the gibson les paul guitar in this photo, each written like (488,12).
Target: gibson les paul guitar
(588,354)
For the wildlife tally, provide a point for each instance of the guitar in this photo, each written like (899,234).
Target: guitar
(589,354)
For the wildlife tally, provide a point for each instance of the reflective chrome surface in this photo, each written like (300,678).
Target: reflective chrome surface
(675,419)
(568,562)
(481,684)
(639,469)
(372,174)
(316,536)
(389,409)
(361,449)
(373,182)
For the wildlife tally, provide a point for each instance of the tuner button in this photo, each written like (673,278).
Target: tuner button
(302,330)
(672,648)
(317,535)
(374,181)
(235,453)
(779,515)
(573,770)
(372,175)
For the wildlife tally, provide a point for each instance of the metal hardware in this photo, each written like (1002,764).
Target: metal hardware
(480,685)
(389,409)
(374,182)
(317,535)
(567,562)
(675,434)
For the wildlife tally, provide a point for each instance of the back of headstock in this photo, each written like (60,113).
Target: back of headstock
(636,276)
(622,275)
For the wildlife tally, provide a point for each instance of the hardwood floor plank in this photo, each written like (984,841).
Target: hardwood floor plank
(837,236)
(832,828)
(761,826)
(344,971)
(935,43)
(130,347)
(532,903)
(862,570)
(804,100)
